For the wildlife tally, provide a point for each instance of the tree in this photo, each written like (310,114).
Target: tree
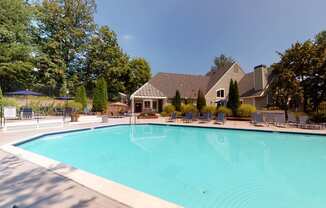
(233,98)
(177,101)
(201,101)
(284,87)
(16,62)
(62,30)
(100,99)
(139,73)
(307,62)
(221,62)
(81,96)
(1,97)
(105,58)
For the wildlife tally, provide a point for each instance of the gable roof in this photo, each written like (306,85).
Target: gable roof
(188,85)
(216,75)
(148,90)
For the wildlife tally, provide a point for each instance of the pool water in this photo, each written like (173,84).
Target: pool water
(200,167)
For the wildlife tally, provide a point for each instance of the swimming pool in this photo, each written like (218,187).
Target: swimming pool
(199,167)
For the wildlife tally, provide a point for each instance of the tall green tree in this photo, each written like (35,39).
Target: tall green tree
(201,101)
(104,57)
(233,98)
(62,31)
(16,61)
(284,87)
(100,98)
(177,101)
(81,96)
(139,73)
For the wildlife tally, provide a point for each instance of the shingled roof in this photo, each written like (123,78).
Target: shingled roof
(188,85)
(166,84)
(148,90)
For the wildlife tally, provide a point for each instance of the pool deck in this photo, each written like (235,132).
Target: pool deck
(27,184)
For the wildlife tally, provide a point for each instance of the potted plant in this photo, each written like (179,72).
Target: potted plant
(76,108)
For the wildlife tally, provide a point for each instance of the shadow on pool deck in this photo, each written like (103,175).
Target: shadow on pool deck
(27,185)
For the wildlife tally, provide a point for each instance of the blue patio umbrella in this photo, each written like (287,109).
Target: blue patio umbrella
(25,93)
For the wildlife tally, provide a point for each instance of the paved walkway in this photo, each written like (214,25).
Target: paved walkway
(28,185)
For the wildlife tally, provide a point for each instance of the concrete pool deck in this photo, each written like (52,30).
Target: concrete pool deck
(27,184)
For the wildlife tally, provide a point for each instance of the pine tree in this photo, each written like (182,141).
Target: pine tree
(177,101)
(230,96)
(81,96)
(234,98)
(100,99)
(201,101)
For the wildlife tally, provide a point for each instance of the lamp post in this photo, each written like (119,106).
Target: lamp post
(66,106)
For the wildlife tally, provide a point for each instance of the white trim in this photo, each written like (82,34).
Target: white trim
(218,81)
(149,97)
(133,94)
(150,104)
(219,89)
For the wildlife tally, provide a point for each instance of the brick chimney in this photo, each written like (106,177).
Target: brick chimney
(260,77)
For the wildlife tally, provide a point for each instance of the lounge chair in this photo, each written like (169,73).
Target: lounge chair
(187,118)
(220,119)
(292,120)
(280,122)
(304,125)
(259,120)
(205,118)
(173,117)
(26,113)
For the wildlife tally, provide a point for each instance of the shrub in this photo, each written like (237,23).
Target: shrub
(209,109)
(100,99)
(201,101)
(225,110)
(76,106)
(9,102)
(177,101)
(168,109)
(245,110)
(81,96)
(188,108)
(233,98)
(318,117)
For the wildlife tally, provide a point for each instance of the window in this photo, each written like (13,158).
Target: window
(147,104)
(220,93)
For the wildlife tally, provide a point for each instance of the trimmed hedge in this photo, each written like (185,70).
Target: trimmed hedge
(222,109)
(245,110)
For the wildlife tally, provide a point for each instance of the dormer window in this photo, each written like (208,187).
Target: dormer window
(220,93)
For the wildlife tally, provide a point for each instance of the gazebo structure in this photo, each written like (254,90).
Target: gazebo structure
(147,99)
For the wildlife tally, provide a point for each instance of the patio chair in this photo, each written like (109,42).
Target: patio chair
(188,118)
(220,119)
(173,117)
(305,125)
(292,120)
(26,113)
(259,120)
(205,118)
(280,122)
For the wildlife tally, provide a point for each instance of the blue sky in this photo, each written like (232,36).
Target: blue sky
(184,36)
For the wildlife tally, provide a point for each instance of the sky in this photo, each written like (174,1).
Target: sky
(184,36)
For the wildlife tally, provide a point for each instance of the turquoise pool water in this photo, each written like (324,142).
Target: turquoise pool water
(200,167)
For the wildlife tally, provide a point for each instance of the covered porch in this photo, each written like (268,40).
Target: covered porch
(147,99)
